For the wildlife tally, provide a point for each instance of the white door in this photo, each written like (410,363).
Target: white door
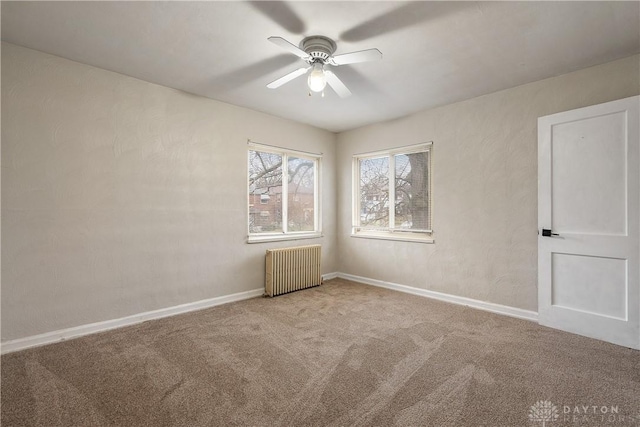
(588,191)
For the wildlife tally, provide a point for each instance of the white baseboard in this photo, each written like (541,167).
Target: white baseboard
(482,305)
(92,328)
(329,276)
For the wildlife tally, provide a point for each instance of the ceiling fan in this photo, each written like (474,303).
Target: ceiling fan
(318,51)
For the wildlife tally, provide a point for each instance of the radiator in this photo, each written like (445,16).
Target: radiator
(292,269)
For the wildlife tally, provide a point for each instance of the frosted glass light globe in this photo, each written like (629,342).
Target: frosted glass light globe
(317,80)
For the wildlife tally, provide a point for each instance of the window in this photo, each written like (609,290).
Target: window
(392,194)
(283,194)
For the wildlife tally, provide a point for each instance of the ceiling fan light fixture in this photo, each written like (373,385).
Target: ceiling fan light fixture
(317,79)
(317,51)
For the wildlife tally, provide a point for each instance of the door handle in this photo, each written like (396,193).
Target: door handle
(548,233)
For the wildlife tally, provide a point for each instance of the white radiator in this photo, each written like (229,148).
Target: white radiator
(292,269)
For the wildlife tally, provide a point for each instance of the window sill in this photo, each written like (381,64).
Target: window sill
(415,238)
(263,238)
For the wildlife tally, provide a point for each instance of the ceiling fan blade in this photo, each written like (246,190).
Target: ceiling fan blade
(288,46)
(354,57)
(285,79)
(404,16)
(337,85)
(280,13)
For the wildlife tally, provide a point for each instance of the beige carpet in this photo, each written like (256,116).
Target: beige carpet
(343,354)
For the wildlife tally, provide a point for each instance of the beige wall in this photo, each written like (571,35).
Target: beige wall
(121,196)
(484,187)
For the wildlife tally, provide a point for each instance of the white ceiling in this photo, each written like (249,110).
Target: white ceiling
(434,53)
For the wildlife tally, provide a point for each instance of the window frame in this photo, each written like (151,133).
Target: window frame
(391,232)
(285,153)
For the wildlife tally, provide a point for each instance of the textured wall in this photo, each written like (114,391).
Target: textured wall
(121,196)
(484,187)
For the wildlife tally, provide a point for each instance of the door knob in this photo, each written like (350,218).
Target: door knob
(548,233)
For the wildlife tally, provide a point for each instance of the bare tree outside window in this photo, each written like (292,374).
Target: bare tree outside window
(265,182)
(399,176)
(412,191)
(301,194)
(268,206)
(374,192)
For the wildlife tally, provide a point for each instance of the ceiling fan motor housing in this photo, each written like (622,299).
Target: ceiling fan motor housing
(319,48)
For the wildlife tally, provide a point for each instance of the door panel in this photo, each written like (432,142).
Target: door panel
(589,196)
(595,285)
(588,193)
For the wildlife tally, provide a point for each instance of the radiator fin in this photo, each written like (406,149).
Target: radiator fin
(292,269)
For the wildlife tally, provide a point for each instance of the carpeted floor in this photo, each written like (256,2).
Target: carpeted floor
(343,354)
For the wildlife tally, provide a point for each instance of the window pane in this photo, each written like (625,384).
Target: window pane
(374,192)
(412,191)
(301,198)
(265,192)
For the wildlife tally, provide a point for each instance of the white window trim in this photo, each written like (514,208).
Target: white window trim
(317,216)
(422,236)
